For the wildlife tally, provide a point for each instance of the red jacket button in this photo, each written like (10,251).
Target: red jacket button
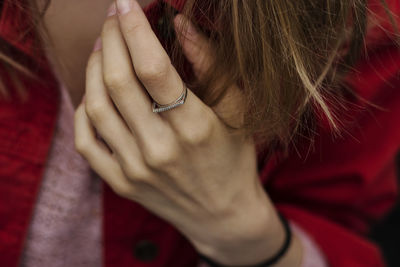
(145,250)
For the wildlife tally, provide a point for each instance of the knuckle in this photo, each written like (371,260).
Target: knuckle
(133,26)
(160,156)
(135,173)
(81,146)
(116,80)
(121,189)
(154,71)
(95,110)
(199,135)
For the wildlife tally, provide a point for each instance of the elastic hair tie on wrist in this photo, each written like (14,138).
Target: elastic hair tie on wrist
(270,261)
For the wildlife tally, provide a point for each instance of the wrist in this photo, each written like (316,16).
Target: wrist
(255,235)
(291,254)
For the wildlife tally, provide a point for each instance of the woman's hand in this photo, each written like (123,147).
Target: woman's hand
(183,164)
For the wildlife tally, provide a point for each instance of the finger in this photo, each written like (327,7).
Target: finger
(104,117)
(98,156)
(199,52)
(151,63)
(153,67)
(196,47)
(125,89)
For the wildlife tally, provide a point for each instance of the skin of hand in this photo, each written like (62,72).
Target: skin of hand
(183,164)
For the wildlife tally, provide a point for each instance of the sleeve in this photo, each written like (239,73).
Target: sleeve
(337,188)
(312,254)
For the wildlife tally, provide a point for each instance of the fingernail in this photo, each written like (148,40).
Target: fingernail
(112,10)
(124,6)
(97,44)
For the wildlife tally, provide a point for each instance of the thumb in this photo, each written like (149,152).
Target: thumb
(200,53)
(196,47)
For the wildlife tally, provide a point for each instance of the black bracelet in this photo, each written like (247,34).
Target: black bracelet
(270,261)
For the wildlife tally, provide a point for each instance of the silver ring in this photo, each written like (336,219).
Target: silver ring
(181,99)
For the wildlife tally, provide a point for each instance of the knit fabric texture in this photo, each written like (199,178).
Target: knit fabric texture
(66,227)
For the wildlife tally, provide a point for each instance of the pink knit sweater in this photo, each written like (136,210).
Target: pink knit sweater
(66,227)
(66,223)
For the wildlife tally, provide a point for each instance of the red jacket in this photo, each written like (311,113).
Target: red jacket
(334,191)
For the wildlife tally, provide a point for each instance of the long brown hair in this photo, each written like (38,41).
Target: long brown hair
(284,54)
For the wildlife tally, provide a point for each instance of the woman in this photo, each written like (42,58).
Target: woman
(227,171)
